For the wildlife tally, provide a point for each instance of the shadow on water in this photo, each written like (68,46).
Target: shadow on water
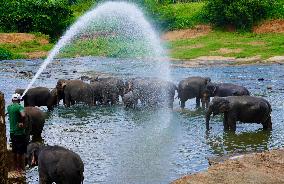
(244,142)
(149,145)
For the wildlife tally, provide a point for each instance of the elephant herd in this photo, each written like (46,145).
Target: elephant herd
(232,100)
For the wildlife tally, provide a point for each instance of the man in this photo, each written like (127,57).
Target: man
(17,131)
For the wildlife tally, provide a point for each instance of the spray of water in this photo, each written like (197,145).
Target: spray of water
(133,22)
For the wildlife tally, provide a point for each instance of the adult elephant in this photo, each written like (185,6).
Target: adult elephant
(55,164)
(152,92)
(193,87)
(35,120)
(39,96)
(226,89)
(108,89)
(74,91)
(246,109)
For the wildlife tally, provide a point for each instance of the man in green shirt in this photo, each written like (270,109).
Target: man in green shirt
(17,131)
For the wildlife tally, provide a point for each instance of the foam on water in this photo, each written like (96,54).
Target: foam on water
(134,25)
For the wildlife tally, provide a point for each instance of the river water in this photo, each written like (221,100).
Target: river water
(148,146)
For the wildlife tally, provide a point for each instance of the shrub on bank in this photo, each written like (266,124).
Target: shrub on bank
(5,54)
(242,14)
(48,17)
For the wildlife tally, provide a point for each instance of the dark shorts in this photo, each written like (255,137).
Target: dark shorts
(19,144)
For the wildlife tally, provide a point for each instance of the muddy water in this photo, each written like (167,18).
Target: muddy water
(148,146)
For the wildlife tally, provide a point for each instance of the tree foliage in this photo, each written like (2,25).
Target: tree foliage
(242,14)
(48,17)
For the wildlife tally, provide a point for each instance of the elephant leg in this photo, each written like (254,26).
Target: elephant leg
(72,102)
(225,122)
(182,104)
(232,124)
(267,125)
(197,102)
(67,101)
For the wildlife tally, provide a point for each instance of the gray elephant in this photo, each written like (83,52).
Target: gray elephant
(110,89)
(39,96)
(35,120)
(153,92)
(55,164)
(246,109)
(130,99)
(193,87)
(74,91)
(226,89)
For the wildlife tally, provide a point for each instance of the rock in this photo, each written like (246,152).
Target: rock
(269,87)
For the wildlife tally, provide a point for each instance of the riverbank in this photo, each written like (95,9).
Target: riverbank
(261,168)
(195,47)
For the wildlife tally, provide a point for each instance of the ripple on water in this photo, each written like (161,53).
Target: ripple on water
(140,146)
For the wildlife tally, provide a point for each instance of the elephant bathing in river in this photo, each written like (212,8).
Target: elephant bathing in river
(39,96)
(55,164)
(226,89)
(152,92)
(193,87)
(72,91)
(35,120)
(246,109)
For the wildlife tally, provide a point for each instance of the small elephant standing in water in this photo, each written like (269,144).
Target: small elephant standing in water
(246,109)
(72,91)
(130,99)
(226,89)
(193,87)
(55,164)
(35,120)
(39,96)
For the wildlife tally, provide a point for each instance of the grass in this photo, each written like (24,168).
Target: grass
(241,44)
(20,51)
(106,47)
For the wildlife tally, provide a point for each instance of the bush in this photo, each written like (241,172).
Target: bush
(5,54)
(35,16)
(242,14)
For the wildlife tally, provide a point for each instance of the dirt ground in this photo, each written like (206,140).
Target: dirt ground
(272,26)
(257,168)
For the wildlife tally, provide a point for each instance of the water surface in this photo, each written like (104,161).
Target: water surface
(148,146)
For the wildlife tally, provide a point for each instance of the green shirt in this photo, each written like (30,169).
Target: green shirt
(15,118)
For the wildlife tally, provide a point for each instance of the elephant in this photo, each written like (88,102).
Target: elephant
(193,87)
(130,99)
(226,89)
(55,164)
(73,91)
(111,89)
(246,109)
(152,92)
(35,120)
(39,96)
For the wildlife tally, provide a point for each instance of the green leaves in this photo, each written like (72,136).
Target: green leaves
(48,17)
(242,14)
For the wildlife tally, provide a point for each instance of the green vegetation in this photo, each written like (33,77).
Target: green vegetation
(239,45)
(23,49)
(5,54)
(48,17)
(242,14)
(107,47)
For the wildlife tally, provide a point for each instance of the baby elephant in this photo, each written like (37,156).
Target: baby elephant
(55,164)
(130,99)
(246,109)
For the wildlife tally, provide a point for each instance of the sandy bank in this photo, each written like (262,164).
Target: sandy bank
(257,168)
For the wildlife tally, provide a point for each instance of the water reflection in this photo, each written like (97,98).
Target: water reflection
(244,142)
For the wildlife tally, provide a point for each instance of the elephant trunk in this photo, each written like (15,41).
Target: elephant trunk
(207,116)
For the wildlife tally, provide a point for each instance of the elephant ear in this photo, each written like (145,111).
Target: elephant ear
(224,105)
